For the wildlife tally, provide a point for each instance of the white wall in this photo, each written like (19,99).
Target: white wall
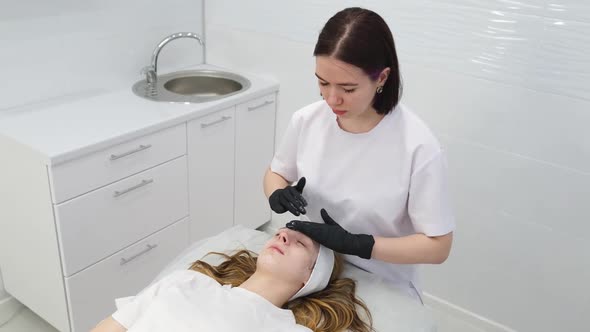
(505,86)
(57,51)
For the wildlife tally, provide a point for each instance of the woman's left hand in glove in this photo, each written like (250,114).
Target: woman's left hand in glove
(335,237)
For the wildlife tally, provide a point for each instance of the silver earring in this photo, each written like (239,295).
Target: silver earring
(380,89)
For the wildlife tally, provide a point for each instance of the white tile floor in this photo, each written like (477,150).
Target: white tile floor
(26,321)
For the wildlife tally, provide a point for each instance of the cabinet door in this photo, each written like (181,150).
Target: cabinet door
(211,173)
(255,131)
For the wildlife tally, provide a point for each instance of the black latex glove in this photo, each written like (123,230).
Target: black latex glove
(335,237)
(289,199)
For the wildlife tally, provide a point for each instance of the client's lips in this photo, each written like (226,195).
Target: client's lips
(338,112)
(277,249)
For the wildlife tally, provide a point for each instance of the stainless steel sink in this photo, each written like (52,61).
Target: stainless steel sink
(192,86)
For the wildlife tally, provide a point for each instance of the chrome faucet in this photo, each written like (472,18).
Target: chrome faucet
(151,71)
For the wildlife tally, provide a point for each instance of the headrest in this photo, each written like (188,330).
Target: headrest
(320,275)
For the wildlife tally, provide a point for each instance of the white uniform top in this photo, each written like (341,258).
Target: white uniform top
(390,181)
(187,300)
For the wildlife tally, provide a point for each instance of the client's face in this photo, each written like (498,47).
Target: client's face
(290,255)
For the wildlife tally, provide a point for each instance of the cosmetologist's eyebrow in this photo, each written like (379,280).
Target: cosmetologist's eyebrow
(341,84)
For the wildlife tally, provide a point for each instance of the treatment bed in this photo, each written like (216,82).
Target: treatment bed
(391,310)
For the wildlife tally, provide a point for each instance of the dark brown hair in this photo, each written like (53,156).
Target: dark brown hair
(333,309)
(361,37)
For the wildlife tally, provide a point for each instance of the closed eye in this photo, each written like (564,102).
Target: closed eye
(345,90)
(303,244)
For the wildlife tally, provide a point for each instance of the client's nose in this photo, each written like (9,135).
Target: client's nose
(284,237)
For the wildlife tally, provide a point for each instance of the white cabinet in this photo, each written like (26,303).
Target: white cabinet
(76,235)
(211,168)
(65,227)
(228,153)
(254,150)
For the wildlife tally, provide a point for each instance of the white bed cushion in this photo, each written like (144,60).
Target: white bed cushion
(390,308)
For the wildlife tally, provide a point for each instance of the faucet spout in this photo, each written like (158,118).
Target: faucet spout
(152,72)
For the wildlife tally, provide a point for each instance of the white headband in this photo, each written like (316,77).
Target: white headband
(320,275)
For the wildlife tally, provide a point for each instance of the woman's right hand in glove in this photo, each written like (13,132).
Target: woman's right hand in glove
(289,199)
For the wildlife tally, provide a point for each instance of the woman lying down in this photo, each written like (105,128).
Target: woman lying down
(293,285)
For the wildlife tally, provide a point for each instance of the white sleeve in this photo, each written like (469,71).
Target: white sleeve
(284,161)
(129,309)
(429,204)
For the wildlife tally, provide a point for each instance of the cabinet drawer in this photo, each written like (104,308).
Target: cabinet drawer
(91,293)
(97,224)
(82,175)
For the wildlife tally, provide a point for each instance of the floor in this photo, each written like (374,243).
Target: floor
(26,321)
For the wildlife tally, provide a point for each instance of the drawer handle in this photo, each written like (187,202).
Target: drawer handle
(261,105)
(148,248)
(140,148)
(223,118)
(122,192)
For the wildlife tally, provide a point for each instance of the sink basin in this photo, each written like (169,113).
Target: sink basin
(192,86)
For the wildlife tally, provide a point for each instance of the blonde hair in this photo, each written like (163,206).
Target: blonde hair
(329,310)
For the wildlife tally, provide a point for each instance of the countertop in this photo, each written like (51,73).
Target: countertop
(72,129)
